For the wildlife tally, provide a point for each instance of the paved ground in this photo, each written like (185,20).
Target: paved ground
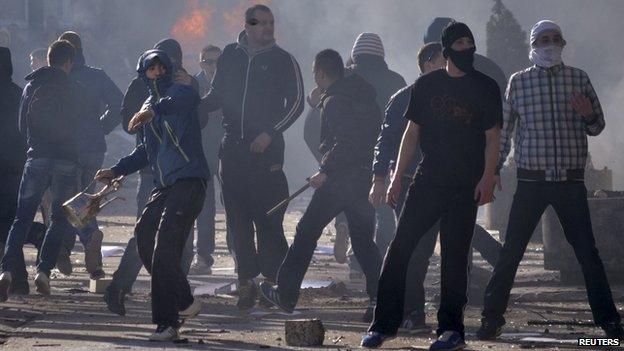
(73,319)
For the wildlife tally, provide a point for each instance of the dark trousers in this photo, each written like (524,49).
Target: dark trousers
(456,209)
(569,200)
(482,241)
(338,194)
(250,189)
(161,233)
(206,226)
(130,265)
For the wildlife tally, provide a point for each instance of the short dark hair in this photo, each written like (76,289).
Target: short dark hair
(428,52)
(330,62)
(250,11)
(40,53)
(209,48)
(60,52)
(73,38)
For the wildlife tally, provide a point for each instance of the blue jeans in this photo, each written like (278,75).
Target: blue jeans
(89,164)
(40,174)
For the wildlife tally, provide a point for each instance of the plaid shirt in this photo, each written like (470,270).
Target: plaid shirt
(550,136)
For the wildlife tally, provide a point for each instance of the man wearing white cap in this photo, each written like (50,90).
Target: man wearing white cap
(553,108)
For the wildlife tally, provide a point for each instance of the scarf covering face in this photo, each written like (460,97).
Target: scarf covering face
(462,59)
(547,56)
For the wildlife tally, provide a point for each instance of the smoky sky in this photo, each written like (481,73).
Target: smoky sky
(120,30)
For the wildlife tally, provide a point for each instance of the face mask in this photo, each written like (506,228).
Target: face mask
(546,56)
(464,59)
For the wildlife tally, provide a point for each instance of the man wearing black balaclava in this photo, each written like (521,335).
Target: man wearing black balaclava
(455,114)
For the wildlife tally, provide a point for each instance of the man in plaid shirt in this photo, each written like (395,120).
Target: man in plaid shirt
(552,107)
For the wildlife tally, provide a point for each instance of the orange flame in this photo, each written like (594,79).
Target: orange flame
(193,27)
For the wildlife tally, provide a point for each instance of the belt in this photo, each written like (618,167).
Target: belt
(540,175)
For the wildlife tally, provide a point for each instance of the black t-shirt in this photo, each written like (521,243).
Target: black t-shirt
(454,114)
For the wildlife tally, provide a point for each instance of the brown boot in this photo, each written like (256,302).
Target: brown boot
(93,252)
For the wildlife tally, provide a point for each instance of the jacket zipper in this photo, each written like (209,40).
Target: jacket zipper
(250,58)
(160,173)
(552,112)
(175,140)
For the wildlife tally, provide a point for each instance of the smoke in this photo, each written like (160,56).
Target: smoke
(117,31)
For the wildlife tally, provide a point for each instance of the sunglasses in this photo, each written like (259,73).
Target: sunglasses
(253,22)
(208,61)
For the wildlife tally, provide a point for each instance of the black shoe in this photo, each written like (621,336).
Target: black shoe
(247,294)
(262,301)
(19,287)
(489,330)
(97,274)
(613,330)
(370,312)
(271,294)
(415,323)
(114,299)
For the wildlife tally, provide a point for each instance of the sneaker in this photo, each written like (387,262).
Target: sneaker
(613,330)
(97,274)
(271,294)
(415,323)
(341,243)
(374,340)
(191,311)
(165,333)
(448,341)
(489,330)
(370,311)
(93,252)
(114,299)
(5,285)
(247,294)
(201,266)
(63,262)
(42,282)
(262,301)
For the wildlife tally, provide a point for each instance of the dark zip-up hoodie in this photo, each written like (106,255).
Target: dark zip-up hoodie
(12,142)
(350,120)
(48,115)
(258,91)
(171,142)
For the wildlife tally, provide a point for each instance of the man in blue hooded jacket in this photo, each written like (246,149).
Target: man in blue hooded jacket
(170,143)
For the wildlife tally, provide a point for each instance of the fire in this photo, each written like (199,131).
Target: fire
(193,27)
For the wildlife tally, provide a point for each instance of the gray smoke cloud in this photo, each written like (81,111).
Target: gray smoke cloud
(120,30)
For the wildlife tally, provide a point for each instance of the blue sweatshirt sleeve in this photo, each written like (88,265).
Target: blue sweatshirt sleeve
(135,161)
(389,140)
(179,100)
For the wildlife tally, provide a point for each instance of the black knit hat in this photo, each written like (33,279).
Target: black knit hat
(454,31)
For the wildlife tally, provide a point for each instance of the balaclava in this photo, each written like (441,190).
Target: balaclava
(464,59)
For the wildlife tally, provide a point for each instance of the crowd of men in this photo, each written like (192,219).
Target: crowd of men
(439,143)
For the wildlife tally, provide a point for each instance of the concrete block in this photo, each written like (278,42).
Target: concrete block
(304,332)
(99,286)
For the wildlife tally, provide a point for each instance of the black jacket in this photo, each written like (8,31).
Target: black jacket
(350,120)
(258,92)
(12,142)
(48,114)
(99,109)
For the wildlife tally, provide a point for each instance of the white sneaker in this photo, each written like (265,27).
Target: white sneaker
(5,283)
(191,311)
(165,333)
(42,282)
